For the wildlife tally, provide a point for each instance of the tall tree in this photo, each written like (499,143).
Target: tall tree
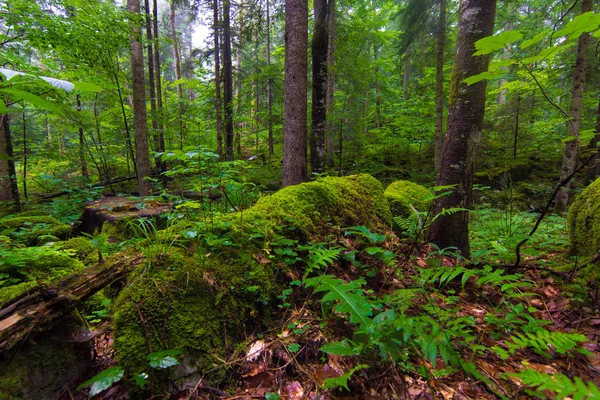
(319,86)
(269,82)
(151,80)
(227,81)
(218,111)
(295,106)
(177,62)
(465,120)
(159,103)
(139,103)
(82,163)
(439,85)
(330,84)
(571,154)
(9,189)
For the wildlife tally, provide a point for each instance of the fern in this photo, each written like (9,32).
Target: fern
(363,231)
(445,275)
(348,296)
(320,258)
(542,341)
(560,385)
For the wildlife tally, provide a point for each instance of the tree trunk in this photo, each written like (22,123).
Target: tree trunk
(218,111)
(9,189)
(237,140)
(377,86)
(439,86)
(406,74)
(319,87)
(269,83)
(594,167)
(139,104)
(571,154)
(177,62)
(25,156)
(159,105)
(82,163)
(151,81)
(228,82)
(330,84)
(465,120)
(295,107)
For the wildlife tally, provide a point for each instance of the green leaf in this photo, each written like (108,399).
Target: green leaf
(272,396)
(496,42)
(534,40)
(586,22)
(342,381)
(3,108)
(163,359)
(483,76)
(294,347)
(88,87)
(141,379)
(33,99)
(343,348)
(103,380)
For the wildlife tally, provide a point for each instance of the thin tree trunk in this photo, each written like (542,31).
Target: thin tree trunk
(319,87)
(9,188)
(465,120)
(177,62)
(228,81)
(152,82)
(25,156)
(571,154)
(218,110)
(377,86)
(439,86)
(331,84)
(406,75)
(159,103)
(295,108)
(238,82)
(269,83)
(516,135)
(594,171)
(82,163)
(125,124)
(139,104)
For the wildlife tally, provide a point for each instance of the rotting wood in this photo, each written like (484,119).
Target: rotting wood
(45,305)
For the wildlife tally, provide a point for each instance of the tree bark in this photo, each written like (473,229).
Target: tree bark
(571,154)
(177,62)
(9,189)
(82,163)
(439,86)
(594,170)
(465,120)
(151,81)
(377,87)
(227,81)
(218,110)
(294,169)
(159,105)
(139,104)
(319,87)
(269,83)
(330,85)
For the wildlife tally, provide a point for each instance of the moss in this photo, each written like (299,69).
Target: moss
(81,248)
(44,239)
(310,208)
(29,228)
(402,194)
(189,303)
(584,221)
(5,242)
(35,265)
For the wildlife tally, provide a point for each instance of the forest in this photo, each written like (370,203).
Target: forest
(293,199)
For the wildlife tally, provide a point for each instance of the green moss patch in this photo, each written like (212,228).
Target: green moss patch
(584,221)
(401,195)
(28,229)
(81,249)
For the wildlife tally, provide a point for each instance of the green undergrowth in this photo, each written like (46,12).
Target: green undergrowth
(33,229)
(584,221)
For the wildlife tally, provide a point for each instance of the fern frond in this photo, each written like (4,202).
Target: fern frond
(560,385)
(544,341)
(348,296)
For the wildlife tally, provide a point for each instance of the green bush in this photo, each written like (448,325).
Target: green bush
(584,221)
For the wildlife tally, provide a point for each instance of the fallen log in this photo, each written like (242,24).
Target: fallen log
(38,311)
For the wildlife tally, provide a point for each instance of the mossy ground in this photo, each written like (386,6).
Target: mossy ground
(584,221)
(402,196)
(29,229)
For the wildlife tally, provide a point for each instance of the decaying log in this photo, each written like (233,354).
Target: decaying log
(39,310)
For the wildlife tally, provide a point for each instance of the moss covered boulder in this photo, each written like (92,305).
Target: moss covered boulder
(584,221)
(80,248)
(203,298)
(401,195)
(28,229)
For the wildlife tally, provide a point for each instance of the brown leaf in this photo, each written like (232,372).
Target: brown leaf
(294,391)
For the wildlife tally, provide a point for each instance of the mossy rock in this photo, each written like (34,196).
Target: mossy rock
(402,194)
(29,229)
(190,303)
(42,369)
(312,208)
(32,266)
(81,249)
(584,221)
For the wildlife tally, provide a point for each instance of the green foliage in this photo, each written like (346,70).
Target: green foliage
(342,380)
(163,359)
(545,342)
(558,384)
(584,221)
(103,380)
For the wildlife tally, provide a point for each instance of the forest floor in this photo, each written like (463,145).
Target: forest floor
(531,332)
